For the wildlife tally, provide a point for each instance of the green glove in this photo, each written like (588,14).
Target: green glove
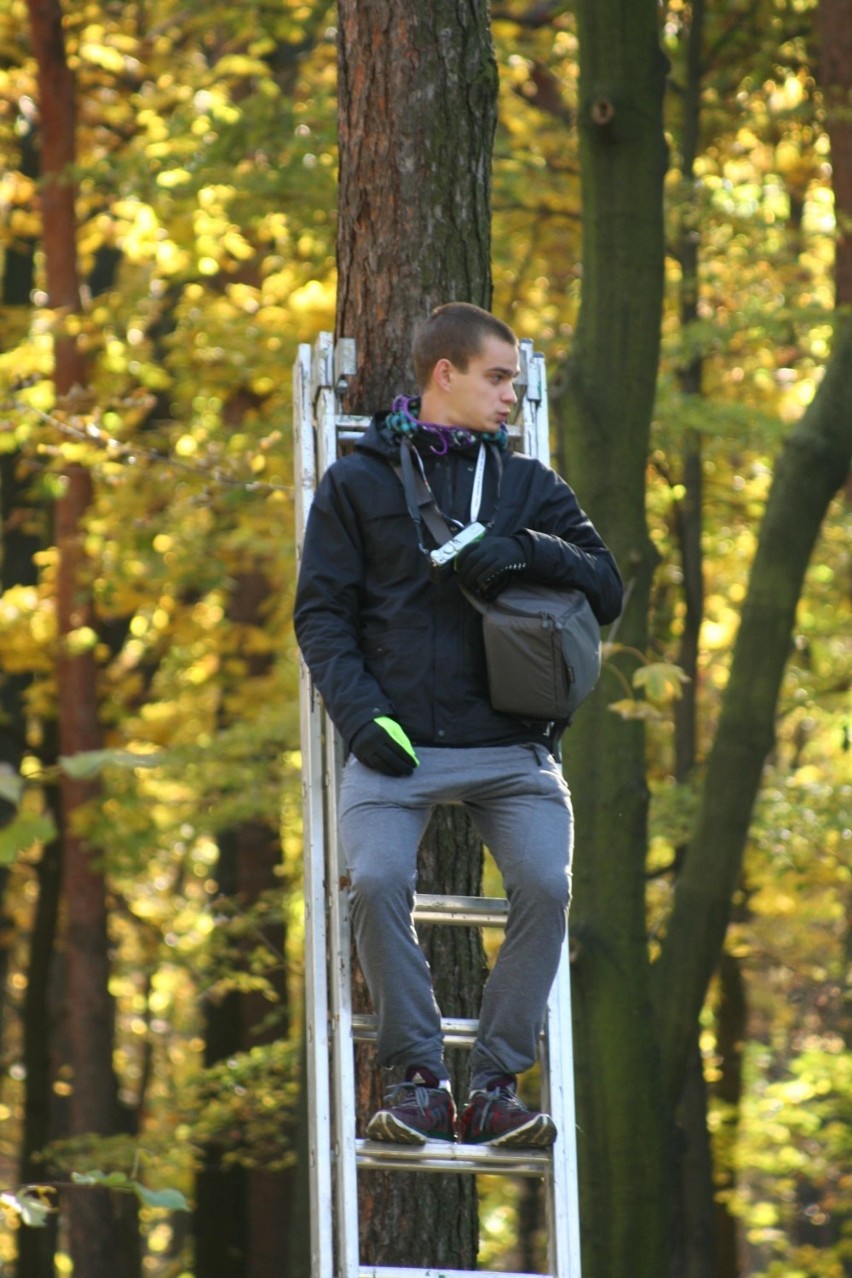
(382,745)
(393,730)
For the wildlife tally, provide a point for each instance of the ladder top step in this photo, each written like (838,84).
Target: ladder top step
(443,1156)
(392,1271)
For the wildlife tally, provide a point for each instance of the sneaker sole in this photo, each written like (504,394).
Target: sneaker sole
(386,1126)
(538,1133)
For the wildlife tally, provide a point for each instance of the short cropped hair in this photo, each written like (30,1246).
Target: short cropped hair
(455,331)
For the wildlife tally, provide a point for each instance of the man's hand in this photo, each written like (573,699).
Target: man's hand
(489,566)
(383,746)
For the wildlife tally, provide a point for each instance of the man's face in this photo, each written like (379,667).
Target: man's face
(481,397)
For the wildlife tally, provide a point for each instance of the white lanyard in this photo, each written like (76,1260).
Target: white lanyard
(476,494)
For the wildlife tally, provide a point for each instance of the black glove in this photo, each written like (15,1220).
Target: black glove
(374,746)
(489,565)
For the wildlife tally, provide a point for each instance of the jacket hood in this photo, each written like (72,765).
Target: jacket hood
(373,441)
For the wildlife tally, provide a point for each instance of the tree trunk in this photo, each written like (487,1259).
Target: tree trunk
(251,1206)
(221,1217)
(605,419)
(93,1104)
(835,32)
(417,113)
(731,1025)
(417,94)
(693,1249)
(36,1247)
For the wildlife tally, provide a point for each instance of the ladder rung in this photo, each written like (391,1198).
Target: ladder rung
(485,911)
(385,1271)
(458,1031)
(443,1156)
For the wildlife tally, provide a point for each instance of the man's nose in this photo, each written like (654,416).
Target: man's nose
(509,393)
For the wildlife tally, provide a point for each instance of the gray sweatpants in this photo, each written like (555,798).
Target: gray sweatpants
(521,807)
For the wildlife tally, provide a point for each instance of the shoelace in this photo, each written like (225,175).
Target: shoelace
(501,1094)
(417,1092)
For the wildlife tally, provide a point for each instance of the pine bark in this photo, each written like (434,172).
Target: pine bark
(89,1011)
(416,120)
(417,113)
(604,417)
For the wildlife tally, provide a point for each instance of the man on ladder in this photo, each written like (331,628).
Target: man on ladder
(395,649)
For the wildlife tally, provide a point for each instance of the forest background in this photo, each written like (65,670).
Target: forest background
(146,835)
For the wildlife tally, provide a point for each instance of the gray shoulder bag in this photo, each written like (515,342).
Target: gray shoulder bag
(542,643)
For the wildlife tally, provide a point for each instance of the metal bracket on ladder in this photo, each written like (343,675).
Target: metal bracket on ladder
(320,377)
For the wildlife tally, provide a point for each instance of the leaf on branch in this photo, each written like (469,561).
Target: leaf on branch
(662,680)
(168,1199)
(31,1204)
(633,708)
(11,784)
(88,763)
(22,832)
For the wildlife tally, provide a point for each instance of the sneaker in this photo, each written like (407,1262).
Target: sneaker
(417,1110)
(494,1116)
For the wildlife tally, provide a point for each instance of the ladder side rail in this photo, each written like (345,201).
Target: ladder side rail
(316,939)
(562,1202)
(542,410)
(346,1171)
(564,1230)
(340,977)
(525,418)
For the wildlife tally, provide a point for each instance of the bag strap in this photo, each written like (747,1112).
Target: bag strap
(420,500)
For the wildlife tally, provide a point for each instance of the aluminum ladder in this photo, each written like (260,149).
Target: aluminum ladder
(320,427)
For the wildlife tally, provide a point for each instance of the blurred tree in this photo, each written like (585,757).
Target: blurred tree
(604,419)
(94,1229)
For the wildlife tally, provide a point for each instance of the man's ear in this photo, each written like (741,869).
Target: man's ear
(442,374)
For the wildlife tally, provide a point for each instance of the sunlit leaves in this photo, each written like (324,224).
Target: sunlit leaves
(33,1203)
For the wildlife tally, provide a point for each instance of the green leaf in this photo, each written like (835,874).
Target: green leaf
(632,708)
(88,763)
(109,1180)
(170,1199)
(22,832)
(11,784)
(662,680)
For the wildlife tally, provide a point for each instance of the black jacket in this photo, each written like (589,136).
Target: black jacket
(379,637)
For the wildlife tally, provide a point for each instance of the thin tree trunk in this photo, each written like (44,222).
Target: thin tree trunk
(248,1207)
(416,118)
(731,1022)
(605,421)
(221,1229)
(93,1103)
(693,1233)
(695,1245)
(835,32)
